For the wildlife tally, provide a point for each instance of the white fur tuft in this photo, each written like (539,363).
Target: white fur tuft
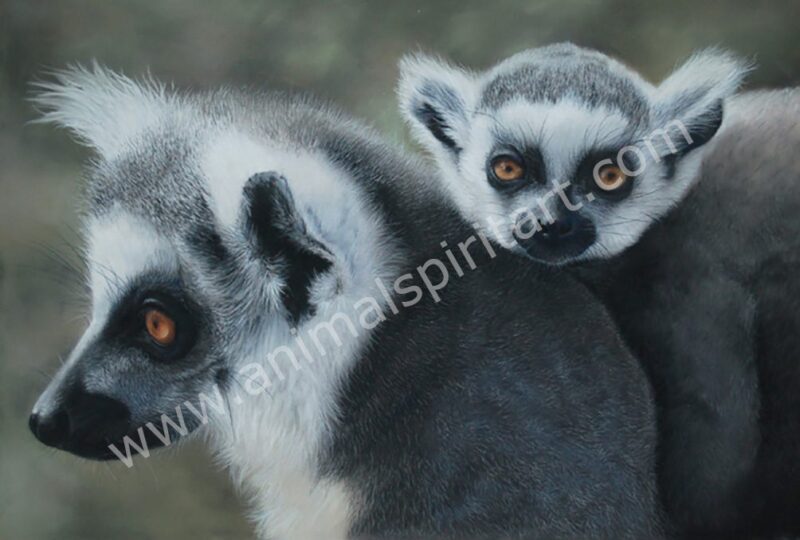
(102,108)
(419,70)
(708,76)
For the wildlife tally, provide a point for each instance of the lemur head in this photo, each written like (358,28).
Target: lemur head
(563,153)
(211,228)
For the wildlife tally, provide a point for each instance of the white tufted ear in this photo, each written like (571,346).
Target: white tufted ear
(436,99)
(694,94)
(102,108)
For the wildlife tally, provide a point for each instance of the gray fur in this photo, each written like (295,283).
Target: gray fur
(573,107)
(714,316)
(697,262)
(557,71)
(476,415)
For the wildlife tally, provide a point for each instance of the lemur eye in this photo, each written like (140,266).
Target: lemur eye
(610,178)
(507,169)
(160,327)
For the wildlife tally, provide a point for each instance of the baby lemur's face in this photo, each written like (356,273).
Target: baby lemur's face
(561,153)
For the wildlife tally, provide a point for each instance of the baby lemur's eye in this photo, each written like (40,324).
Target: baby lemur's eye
(610,178)
(160,327)
(507,168)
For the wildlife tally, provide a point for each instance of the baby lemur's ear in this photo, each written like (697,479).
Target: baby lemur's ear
(280,235)
(435,98)
(692,97)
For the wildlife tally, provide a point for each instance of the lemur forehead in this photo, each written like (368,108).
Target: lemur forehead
(552,74)
(121,247)
(566,128)
(155,178)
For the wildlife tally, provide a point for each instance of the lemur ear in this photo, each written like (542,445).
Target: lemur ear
(280,234)
(692,97)
(435,98)
(103,109)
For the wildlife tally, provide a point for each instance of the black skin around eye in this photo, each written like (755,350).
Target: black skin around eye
(584,174)
(530,159)
(127,325)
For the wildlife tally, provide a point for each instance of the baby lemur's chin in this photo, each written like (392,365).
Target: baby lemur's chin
(678,204)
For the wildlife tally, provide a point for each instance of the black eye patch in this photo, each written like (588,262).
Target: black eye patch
(627,161)
(529,158)
(126,325)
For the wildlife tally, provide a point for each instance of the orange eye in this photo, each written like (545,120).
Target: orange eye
(160,327)
(610,178)
(507,169)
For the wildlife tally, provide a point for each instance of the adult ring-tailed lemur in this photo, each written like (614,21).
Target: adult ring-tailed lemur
(270,263)
(679,205)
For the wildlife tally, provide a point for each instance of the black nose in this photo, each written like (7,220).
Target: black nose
(51,429)
(559,230)
(83,423)
(558,241)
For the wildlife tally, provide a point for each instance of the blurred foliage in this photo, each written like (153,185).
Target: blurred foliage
(345,50)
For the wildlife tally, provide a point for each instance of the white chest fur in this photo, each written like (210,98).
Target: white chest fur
(271,441)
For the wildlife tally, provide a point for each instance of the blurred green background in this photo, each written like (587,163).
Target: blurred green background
(346,50)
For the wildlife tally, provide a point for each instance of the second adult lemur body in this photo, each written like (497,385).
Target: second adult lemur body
(679,206)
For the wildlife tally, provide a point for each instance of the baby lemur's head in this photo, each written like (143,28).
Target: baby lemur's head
(563,153)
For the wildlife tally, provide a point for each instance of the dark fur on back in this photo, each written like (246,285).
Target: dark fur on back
(499,410)
(709,299)
(510,407)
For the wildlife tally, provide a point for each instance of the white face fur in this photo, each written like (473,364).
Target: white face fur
(561,153)
(247,243)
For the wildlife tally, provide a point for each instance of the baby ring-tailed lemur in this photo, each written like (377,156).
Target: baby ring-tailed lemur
(244,254)
(566,156)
